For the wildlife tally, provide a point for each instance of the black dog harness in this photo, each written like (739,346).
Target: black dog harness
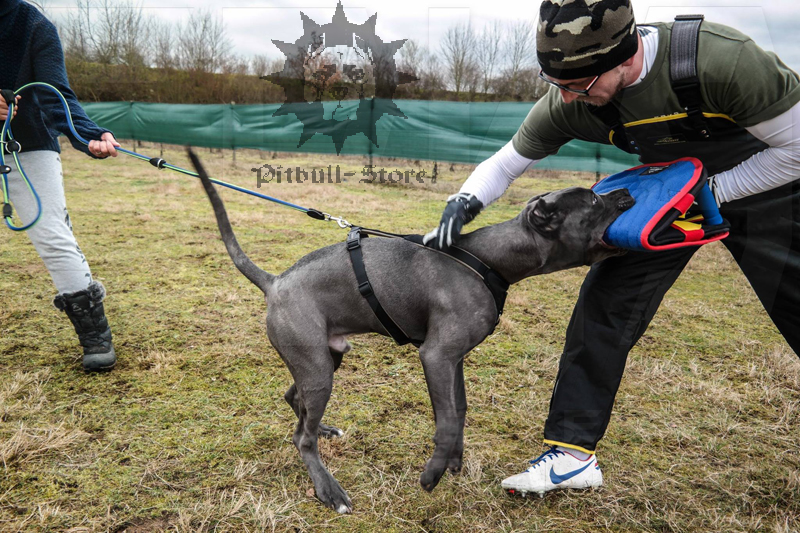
(497,286)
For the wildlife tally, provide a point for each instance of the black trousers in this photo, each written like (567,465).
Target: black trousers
(620,296)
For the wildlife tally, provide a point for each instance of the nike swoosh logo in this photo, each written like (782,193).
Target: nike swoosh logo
(556,479)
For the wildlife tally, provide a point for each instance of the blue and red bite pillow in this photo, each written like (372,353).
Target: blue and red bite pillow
(674,207)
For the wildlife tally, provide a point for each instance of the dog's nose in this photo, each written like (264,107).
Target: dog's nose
(626,202)
(621,198)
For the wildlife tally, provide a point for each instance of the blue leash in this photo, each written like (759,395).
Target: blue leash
(8,143)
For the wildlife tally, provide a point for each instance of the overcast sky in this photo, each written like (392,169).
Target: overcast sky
(251,25)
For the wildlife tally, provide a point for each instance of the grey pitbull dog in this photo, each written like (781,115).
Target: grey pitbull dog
(315,305)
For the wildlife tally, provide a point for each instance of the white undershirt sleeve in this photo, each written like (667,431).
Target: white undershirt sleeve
(777,165)
(491,178)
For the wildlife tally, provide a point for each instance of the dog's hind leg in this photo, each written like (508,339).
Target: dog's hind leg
(312,370)
(325,430)
(445,386)
(291,398)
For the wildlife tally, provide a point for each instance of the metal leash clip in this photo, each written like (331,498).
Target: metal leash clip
(316,214)
(339,220)
(11,146)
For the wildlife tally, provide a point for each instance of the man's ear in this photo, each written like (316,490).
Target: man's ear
(544,217)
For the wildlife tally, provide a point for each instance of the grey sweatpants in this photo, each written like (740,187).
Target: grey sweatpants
(52,235)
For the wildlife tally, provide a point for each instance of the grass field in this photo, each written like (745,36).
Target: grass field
(190,432)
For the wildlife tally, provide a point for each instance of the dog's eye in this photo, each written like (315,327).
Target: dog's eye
(594,199)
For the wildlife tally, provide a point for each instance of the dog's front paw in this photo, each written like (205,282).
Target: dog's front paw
(331,493)
(432,475)
(329,431)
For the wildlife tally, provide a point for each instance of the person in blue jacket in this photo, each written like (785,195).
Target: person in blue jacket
(30,51)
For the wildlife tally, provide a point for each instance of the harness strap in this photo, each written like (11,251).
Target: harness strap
(683,69)
(365,288)
(609,115)
(496,284)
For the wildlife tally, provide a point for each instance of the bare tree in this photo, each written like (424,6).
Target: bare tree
(202,43)
(135,37)
(520,49)
(412,56)
(472,79)
(77,40)
(260,65)
(458,50)
(432,78)
(233,64)
(488,48)
(108,32)
(163,46)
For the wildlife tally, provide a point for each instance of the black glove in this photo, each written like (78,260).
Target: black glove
(461,208)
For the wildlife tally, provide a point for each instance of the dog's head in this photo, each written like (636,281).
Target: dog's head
(574,220)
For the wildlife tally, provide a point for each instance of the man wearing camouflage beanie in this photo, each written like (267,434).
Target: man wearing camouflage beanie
(661,91)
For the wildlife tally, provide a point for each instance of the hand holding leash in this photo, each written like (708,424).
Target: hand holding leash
(106,146)
(4,106)
(461,209)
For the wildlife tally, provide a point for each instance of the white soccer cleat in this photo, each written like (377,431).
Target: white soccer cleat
(555,469)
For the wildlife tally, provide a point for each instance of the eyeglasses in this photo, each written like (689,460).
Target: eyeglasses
(584,92)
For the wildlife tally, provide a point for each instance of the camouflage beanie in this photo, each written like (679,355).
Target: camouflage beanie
(582,38)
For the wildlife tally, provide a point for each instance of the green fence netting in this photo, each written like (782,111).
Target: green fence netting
(457,132)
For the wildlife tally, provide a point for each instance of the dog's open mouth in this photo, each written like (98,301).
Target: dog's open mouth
(623,204)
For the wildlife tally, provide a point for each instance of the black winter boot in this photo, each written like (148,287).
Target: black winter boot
(85,311)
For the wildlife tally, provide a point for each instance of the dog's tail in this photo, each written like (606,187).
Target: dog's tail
(263,280)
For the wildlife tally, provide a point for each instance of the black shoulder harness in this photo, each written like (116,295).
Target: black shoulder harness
(683,79)
(492,279)
(683,69)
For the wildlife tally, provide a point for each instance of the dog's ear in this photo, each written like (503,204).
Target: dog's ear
(544,216)
(535,198)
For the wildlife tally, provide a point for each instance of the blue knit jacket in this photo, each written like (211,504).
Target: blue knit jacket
(30,50)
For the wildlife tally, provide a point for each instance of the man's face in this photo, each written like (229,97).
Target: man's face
(607,86)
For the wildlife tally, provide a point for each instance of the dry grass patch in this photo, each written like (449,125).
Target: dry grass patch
(159,361)
(27,444)
(23,437)
(23,394)
(229,510)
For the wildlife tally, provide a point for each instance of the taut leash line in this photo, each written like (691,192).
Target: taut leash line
(8,143)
